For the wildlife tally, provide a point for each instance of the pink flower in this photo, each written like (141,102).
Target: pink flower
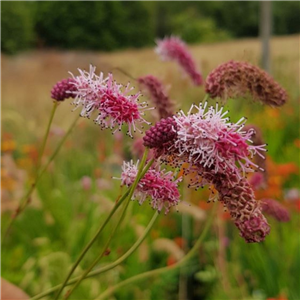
(205,139)
(64,89)
(173,48)
(157,185)
(237,79)
(276,210)
(86,183)
(257,180)
(158,95)
(112,101)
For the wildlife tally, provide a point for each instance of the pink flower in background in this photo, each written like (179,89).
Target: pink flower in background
(257,180)
(276,210)
(157,93)
(159,186)
(64,89)
(173,48)
(236,79)
(86,183)
(113,102)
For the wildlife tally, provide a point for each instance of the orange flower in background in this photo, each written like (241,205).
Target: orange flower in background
(297,143)
(180,241)
(277,176)
(278,298)
(31,151)
(7,143)
(171,260)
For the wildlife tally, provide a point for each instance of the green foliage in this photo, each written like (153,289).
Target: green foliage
(193,28)
(93,24)
(17,32)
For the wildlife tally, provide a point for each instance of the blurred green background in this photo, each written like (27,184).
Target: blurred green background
(111,25)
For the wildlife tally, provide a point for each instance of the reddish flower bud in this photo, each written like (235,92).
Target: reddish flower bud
(64,89)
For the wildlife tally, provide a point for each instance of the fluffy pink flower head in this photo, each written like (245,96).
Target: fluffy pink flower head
(158,94)
(276,210)
(64,89)
(158,185)
(235,78)
(208,139)
(173,48)
(113,102)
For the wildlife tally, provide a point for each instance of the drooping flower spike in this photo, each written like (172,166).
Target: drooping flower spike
(113,102)
(237,79)
(157,93)
(275,209)
(173,48)
(157,185)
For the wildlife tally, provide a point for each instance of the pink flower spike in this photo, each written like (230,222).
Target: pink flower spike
(114,104)
(173,48)
(156,184)
(275,209)
(158,95)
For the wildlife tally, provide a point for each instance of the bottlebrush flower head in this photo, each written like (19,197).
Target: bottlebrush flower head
(64,89)
(173,48)
(237,79)
(157,93)
(113,102)
(158,185)
(276,210)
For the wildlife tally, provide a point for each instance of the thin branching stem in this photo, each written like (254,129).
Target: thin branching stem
(160,271)
(132,189)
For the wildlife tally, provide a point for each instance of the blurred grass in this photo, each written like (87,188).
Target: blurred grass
(48,237)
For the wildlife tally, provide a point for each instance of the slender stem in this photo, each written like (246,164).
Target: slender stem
(160,271)
(125,73)
(109,266)
(132,189)
(206,97)
(88,246)
(26,199)
(41,152)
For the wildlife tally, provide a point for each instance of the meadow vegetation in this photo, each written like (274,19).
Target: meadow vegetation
(77,191)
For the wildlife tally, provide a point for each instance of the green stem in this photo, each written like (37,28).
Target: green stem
(206,97)
(55,105)
(132,189)
(160,271)
(109,266)
(26,199)
(88,246)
